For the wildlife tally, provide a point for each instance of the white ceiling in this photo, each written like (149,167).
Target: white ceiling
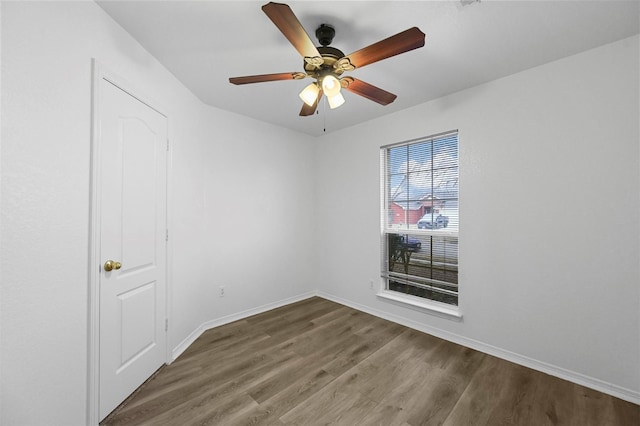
(203,43)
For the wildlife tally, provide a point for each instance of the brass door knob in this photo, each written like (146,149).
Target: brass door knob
(110,265)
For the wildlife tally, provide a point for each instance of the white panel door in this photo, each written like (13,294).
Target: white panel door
(132,188)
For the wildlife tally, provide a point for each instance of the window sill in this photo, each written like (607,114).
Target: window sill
(434,308)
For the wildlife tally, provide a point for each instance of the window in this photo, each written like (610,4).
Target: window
(420,220)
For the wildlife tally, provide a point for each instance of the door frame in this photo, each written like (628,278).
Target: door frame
(99,73)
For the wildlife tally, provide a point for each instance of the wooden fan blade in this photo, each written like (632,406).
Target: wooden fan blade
(284,18)
(309,110)
(402,42)
(266,77)
(369,91)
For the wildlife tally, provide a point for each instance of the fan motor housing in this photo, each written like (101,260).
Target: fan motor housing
(325,34)
(330,55)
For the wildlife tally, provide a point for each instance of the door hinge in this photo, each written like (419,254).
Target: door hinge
(166,324)
(166,235)
(167,144)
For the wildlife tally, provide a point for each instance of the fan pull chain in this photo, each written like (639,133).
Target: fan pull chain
(324,115)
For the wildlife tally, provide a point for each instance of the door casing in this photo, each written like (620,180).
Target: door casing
(99,73)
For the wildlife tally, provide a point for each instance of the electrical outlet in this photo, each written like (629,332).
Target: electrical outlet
(371,284)
(221,291)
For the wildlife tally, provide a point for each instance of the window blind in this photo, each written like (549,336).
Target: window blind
(420,217)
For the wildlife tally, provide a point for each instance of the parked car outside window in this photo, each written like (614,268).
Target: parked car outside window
(410,243)
(429,221)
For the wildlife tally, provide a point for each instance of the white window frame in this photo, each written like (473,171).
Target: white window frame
(415,302)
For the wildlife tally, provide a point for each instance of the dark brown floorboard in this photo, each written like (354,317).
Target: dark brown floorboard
(316,362)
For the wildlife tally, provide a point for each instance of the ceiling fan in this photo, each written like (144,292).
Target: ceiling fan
(326,64)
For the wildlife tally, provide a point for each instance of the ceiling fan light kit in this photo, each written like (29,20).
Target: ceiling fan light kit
(310,94)
(326,64)
(336,100)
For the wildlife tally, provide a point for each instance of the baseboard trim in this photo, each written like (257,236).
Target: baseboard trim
(571,376)
(182,346)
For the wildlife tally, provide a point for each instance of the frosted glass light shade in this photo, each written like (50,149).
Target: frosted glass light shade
(310,94)
(336,100)
(330,86)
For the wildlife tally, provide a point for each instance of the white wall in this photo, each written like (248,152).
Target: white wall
(248,220)
(549,225)
(46,79)
(260,214)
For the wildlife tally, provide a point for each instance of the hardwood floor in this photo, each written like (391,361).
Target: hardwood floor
(316,362)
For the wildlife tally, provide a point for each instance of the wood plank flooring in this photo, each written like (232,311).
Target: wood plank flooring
(316,362)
